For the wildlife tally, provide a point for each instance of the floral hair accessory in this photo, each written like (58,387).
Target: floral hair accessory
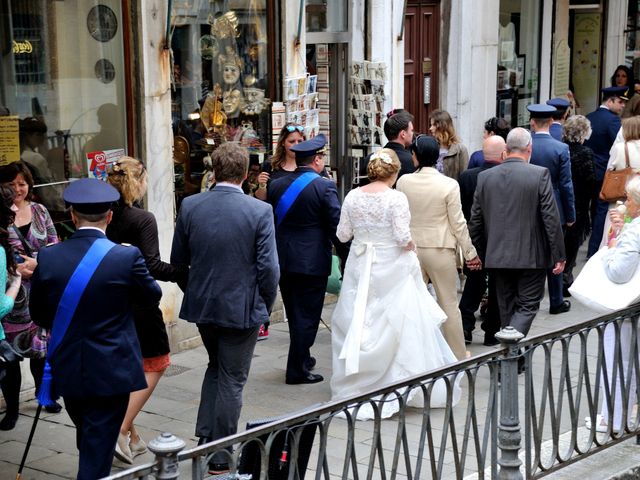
(385,157)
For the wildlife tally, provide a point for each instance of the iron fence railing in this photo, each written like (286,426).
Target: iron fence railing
(548,384)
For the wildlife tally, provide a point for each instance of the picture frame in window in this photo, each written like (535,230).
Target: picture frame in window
(521,63)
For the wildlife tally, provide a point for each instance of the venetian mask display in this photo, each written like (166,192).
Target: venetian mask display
(231,102)
(254,101)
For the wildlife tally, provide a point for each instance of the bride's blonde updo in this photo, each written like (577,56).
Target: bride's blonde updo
(383,165)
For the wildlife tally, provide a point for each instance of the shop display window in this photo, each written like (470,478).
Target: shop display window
(62,91)
(220,84)
(518,59)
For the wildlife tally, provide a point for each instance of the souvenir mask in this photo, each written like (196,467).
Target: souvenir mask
(254,101)
(231,102)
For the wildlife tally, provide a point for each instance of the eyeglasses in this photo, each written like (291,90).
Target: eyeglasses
(293,128)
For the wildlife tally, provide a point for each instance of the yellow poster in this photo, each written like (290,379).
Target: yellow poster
(9,140)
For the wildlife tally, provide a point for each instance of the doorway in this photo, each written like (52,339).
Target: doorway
(421,53)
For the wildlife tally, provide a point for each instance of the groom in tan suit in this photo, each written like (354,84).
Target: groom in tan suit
(437,227)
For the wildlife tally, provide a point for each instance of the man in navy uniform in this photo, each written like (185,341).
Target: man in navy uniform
(554,156)
(559,116)
(605,124)
(307,212)
(98,361)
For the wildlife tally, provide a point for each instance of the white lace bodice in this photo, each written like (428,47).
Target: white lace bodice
(381,217)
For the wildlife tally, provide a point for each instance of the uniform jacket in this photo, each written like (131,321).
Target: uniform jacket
(99,355)
(604,125)
(227,239)
(514,218)
(304,237)
(436,214)
(557,131)
(554,155)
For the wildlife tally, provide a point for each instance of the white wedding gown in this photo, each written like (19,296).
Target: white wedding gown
(385,327)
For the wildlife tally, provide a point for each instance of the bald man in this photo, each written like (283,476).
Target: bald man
(493,149)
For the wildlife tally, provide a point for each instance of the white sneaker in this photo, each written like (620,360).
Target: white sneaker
(137,448)
(123,452)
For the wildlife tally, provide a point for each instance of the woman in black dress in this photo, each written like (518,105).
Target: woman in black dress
(133,225)
(576,130)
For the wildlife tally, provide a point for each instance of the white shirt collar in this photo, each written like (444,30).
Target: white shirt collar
(92,228)
(229,184)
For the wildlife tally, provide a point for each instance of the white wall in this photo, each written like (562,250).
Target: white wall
(156,148)
(468,90)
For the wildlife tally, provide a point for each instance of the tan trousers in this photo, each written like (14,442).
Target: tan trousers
(439,266)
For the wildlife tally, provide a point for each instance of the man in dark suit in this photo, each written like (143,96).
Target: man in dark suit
(556,130)
(398,128)
(476,283)
(227,239)
(307,216)
(98,361)
(605,124)
(518,248)
(554,156)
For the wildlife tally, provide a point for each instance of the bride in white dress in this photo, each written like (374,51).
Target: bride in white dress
(385,327)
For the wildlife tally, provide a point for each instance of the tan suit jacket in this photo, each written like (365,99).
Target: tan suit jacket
(436,212)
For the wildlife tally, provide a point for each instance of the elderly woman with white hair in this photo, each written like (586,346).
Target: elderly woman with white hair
(620,263)
(576,130)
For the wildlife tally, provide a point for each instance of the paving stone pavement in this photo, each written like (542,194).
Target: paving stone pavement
(173,406)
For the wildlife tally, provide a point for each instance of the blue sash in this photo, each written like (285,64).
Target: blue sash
(291,193)
(67,308)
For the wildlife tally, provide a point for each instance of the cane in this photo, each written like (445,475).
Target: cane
(26,449)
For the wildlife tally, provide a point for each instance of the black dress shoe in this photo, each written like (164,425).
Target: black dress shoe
(55,408)
(468,337)
(309,378)
(490,340)
(565,306)
(310,363)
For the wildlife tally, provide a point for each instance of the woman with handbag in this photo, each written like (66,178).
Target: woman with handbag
(623,162)
(621,261)
(31,231)
(133,225)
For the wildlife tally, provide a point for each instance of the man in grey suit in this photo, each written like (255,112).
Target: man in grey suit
(515,226)
(227,239)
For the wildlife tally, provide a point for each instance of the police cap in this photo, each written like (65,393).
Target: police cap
(311,147)
(90,196)
(561,104)
(541,110)
(620,92)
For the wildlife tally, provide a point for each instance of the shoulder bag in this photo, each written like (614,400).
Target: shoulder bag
(615,181)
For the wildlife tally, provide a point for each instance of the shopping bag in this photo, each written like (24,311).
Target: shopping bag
(335,279)
(595,291)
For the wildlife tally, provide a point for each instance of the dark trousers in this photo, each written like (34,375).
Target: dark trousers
(474,288)
(572,243)
(303,298)
(230,352)
(554,284)
(519,293)
(599,211)
(13,379)
(97,421)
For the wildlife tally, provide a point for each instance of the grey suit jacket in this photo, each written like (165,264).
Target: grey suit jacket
(514,219)
(228,240)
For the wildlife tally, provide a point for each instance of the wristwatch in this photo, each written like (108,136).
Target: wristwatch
(262,186)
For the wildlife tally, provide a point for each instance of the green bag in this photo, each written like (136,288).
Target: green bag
(335,279)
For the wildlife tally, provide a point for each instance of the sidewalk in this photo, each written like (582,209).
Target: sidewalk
(173,406)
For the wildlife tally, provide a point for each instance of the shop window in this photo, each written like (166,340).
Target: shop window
(326,16)
(518,59)
(62,81)
(632,54)
(221,83)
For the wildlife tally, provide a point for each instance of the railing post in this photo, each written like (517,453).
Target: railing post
(509,428)
(166,448)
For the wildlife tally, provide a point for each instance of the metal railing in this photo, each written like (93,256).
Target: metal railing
(548,384)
